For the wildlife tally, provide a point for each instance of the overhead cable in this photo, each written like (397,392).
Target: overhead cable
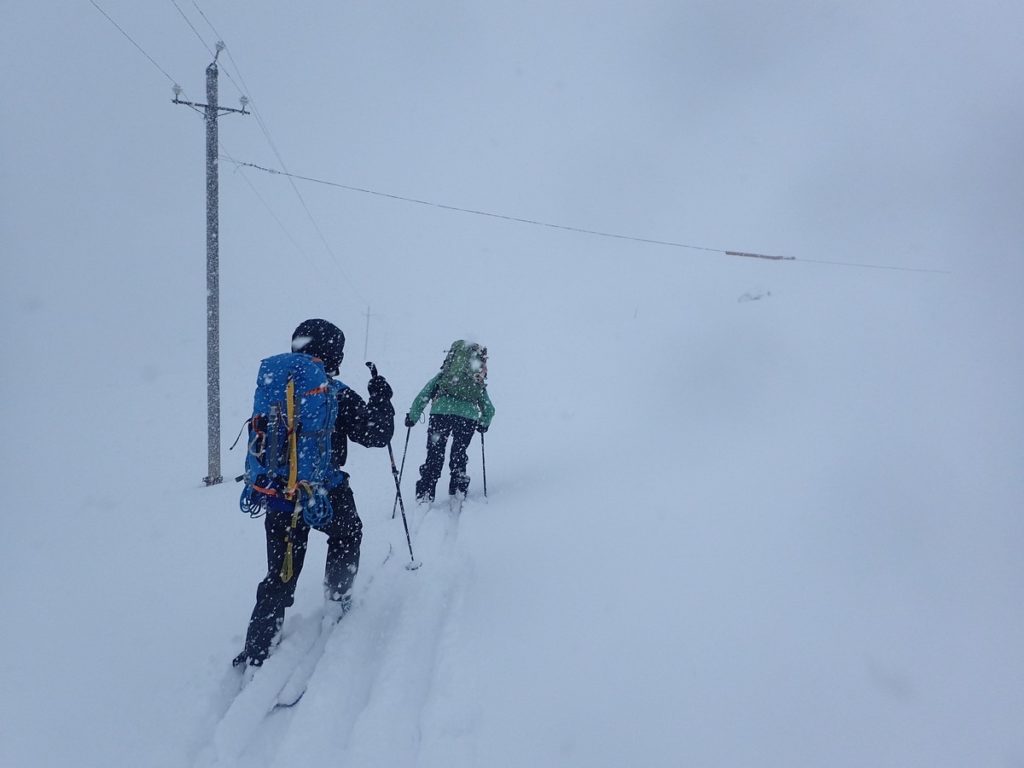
(132,41)
(273,146)
(581,230)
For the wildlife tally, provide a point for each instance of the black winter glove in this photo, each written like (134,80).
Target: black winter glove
(379,387)
(481,428)
(409,422)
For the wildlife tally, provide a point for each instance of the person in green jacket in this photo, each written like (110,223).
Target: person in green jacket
(459,406)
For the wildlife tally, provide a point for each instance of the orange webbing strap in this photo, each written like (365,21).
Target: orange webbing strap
(293,443)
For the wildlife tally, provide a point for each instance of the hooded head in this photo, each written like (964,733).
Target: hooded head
(321,339)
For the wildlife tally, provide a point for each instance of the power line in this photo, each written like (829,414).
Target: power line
(273,146)
(193,27)
(224,149)
(244,90)
(270,210)
(259,119)
(178,90)
(220,143)
(875,266)
(206,45)
(129,37)
(580,230)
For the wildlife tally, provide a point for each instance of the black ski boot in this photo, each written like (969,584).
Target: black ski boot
(243,659)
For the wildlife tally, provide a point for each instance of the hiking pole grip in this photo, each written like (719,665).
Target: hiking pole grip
(391,455)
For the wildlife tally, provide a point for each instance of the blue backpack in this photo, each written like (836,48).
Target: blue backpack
(288,461)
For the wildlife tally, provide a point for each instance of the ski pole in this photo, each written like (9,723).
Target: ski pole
(483,460)
(401,471)
(413,564)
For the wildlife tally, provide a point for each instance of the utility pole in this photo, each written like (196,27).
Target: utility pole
(211,111)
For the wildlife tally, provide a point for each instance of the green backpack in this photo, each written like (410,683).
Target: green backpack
(464,371)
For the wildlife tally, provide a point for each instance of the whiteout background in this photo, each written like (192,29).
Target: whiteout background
(719,533)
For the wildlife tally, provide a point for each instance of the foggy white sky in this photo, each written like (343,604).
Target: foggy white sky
(874,413)
(876,132)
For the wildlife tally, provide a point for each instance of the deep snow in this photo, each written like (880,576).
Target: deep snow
(719,531)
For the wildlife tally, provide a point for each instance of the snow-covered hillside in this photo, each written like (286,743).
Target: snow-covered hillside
(739,512)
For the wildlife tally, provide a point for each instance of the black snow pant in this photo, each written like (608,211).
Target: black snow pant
(274,593)
(439,428)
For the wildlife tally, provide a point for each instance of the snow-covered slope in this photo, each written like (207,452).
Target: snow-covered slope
(718,532)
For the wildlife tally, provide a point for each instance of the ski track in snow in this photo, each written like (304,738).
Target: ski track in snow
(388,689)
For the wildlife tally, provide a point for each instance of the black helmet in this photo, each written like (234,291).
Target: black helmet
(322,339)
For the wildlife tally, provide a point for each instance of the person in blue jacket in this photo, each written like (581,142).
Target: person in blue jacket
(370,424)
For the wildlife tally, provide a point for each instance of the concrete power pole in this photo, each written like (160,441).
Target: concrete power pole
(211,111)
